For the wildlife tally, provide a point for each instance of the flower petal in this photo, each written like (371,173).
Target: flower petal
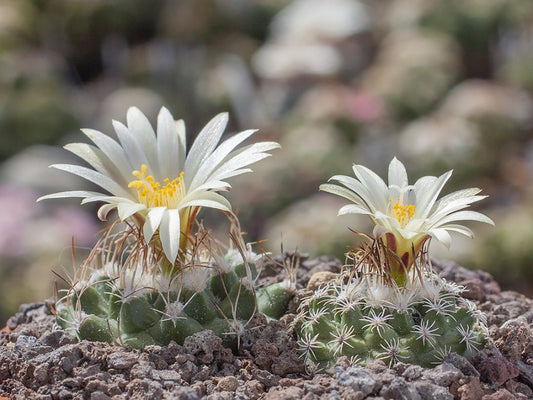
(207,199)
(442,210)
(213,185)
(427,190)
(152,222)
(242,158)
(107,199)
(182,147)
(112,150)
(134,152)
(357,187)
(101,180)
(205,143)
(459,229)
(343,192)
(170,233)
(464,216)
(353,209)
(442,236)
(126,210)
(397,174)
(168,145)
(377,190)
(142,132)
(386,221)
(416,224)
(69,194)
(218,156)
(104,210)
(97,159)
(459,194)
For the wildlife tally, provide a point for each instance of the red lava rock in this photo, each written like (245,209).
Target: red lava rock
(41,373)
(514,336)
(502,394)
(221,396)
(206,346)
(492,287)
(475,289)
(526,372)
(37,362)
(323,263)
(289,362)
(253,389)
(471,390)
(494,367)
(228,384)
(122,360)
(320,278)
(284,393)
(289,382)
(99,396)
(519,388)
(444,374)
(265,353)
(266,378)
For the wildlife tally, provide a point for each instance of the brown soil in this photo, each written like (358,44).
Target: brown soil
(38,362)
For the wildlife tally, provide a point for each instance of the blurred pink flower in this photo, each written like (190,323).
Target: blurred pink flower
(25,228)
(16,208)
(365,107)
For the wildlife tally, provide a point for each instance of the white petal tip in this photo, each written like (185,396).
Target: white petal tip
(133,109)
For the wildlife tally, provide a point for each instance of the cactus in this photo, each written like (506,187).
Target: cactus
(365,315)
(124,295)
(158,280)
(388,304)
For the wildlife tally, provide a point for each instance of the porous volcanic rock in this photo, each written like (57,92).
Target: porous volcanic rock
(38,361)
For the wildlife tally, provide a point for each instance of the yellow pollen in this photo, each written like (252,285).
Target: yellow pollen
(402,212)
(153,194)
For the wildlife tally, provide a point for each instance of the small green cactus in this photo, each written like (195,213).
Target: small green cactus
(159,281)
(388,304)
(365,316)
(136,303)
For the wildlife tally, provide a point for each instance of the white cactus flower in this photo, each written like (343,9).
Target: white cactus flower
(409,210)
(152,179)
(405,216)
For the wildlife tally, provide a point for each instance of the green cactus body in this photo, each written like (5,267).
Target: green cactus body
(241,301)
(134,311)
(220,285)
(96,328)
(273,300)
(354,321)
(138,314)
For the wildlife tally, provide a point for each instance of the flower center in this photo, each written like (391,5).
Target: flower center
(155,194)
(402,212)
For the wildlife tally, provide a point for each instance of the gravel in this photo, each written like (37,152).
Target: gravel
(38,362)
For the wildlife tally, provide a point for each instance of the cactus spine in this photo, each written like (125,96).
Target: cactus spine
(126,294)
(365,315)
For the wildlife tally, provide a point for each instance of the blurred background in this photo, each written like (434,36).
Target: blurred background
(442,84)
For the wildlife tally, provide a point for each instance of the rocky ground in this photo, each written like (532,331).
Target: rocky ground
(38,362)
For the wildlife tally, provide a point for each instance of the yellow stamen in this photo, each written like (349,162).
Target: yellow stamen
(153,194)
(402,212)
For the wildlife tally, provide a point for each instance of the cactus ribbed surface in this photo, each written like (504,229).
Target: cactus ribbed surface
(135,308)
(366,319)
